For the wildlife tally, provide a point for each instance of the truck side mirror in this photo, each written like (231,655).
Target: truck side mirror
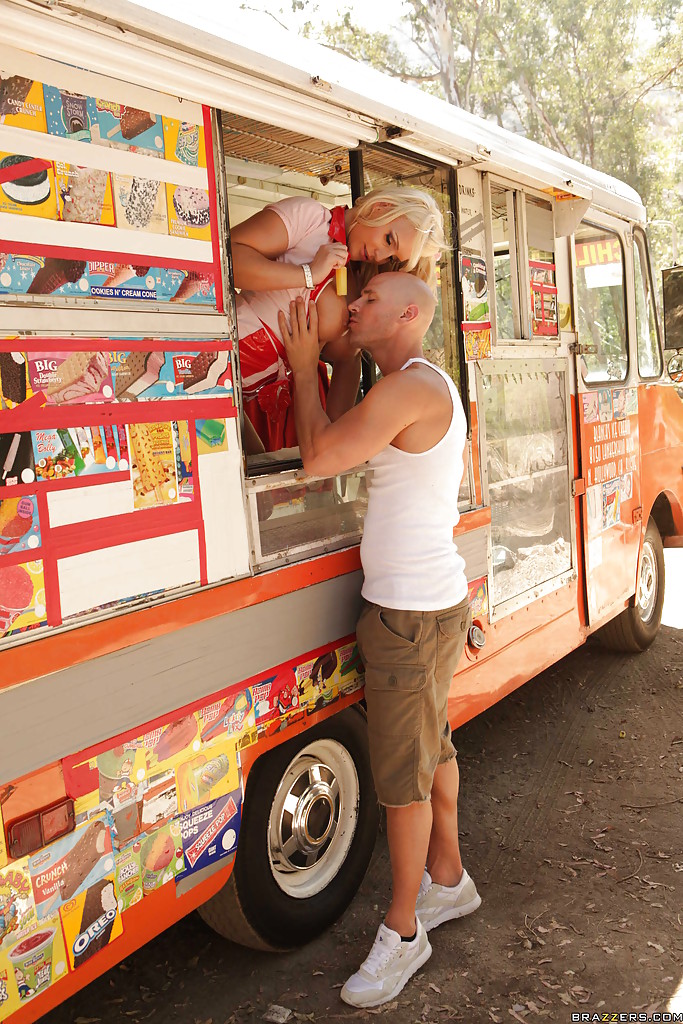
(672,290)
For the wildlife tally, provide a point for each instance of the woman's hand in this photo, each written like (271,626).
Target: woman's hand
(328,258)
(301,340)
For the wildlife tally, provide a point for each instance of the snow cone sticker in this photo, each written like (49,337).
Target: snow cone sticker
(32,962)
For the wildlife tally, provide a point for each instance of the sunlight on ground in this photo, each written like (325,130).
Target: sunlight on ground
(672,615)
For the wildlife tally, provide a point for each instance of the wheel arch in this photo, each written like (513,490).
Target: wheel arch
(667,512)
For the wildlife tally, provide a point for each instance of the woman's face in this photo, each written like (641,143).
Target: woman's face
(377,243)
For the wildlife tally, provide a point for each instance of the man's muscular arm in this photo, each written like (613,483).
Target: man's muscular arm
(328,448)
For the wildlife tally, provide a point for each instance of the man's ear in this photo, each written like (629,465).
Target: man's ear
(410,313)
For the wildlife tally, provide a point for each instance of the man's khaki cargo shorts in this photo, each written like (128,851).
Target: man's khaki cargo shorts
(410,658)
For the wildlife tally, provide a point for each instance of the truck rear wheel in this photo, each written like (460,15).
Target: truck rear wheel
(309,824)
(637,626)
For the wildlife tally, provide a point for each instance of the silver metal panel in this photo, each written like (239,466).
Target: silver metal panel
(78,707)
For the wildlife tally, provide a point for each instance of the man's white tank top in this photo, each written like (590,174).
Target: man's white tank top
(409,558)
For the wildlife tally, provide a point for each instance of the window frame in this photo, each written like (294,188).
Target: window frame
(638,233)
(616,229)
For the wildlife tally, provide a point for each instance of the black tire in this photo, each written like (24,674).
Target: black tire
(637,626)
(256,907)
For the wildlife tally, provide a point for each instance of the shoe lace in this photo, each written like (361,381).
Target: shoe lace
(378,957)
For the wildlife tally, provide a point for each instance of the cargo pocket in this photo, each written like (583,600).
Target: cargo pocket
(394,697)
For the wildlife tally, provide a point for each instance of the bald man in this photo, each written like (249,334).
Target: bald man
(411,430)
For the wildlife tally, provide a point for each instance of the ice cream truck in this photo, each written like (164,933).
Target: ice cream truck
(180,691)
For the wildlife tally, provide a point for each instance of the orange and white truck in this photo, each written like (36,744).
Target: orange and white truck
(181,720)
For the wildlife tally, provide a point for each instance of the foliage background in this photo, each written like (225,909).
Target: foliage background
(598,80)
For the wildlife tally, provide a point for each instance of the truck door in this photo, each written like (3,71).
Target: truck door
(607,419)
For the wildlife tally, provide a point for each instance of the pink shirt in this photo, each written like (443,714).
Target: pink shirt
(307,222)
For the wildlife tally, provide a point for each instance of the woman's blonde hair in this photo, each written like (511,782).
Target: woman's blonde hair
(423,213)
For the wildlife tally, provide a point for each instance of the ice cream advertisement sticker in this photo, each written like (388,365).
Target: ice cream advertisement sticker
(91,921)
(22,103)
(210,832)
(65,868)
(69,378)
(127,127)
(27,186)
(17,907)
(19,526)
(22,597)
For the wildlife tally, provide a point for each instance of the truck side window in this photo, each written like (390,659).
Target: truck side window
(504,260)
(601,312)
(649,354)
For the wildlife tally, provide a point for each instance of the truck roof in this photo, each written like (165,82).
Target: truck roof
(295,76)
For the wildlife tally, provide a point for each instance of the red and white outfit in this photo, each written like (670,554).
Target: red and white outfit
(266,374)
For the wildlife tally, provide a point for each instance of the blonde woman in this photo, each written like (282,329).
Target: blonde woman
(293,248)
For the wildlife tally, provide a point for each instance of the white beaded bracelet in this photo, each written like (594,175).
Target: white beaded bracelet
(308,276)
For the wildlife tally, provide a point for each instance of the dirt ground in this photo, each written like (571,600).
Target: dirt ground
(571,801)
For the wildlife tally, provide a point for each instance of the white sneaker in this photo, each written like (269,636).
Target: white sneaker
(387,967)
(438,903)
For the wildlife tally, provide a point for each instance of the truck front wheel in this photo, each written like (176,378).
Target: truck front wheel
(637,626)
(308,829)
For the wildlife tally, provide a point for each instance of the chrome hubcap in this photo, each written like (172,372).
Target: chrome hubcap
(313,818)
(647,583)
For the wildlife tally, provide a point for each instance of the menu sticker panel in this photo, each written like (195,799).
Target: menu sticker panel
(140,204)
(67,378)
(188,212)
(13,382)
(91,920)
(22,103)
(102,279)
(209,833)
(27,186)
(127,127)
(152,454)
(184,142)
(68,866)
(19,525)
(84,195)
(22,597)
(70,115)
(32,965)
(17,464)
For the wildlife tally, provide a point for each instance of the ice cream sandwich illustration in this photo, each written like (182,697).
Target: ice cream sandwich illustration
(13,94)
(100,910)
(137,372)
(205,369)
(54,274)
(24,179)
(81,374)
(82,858)
(12,377)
